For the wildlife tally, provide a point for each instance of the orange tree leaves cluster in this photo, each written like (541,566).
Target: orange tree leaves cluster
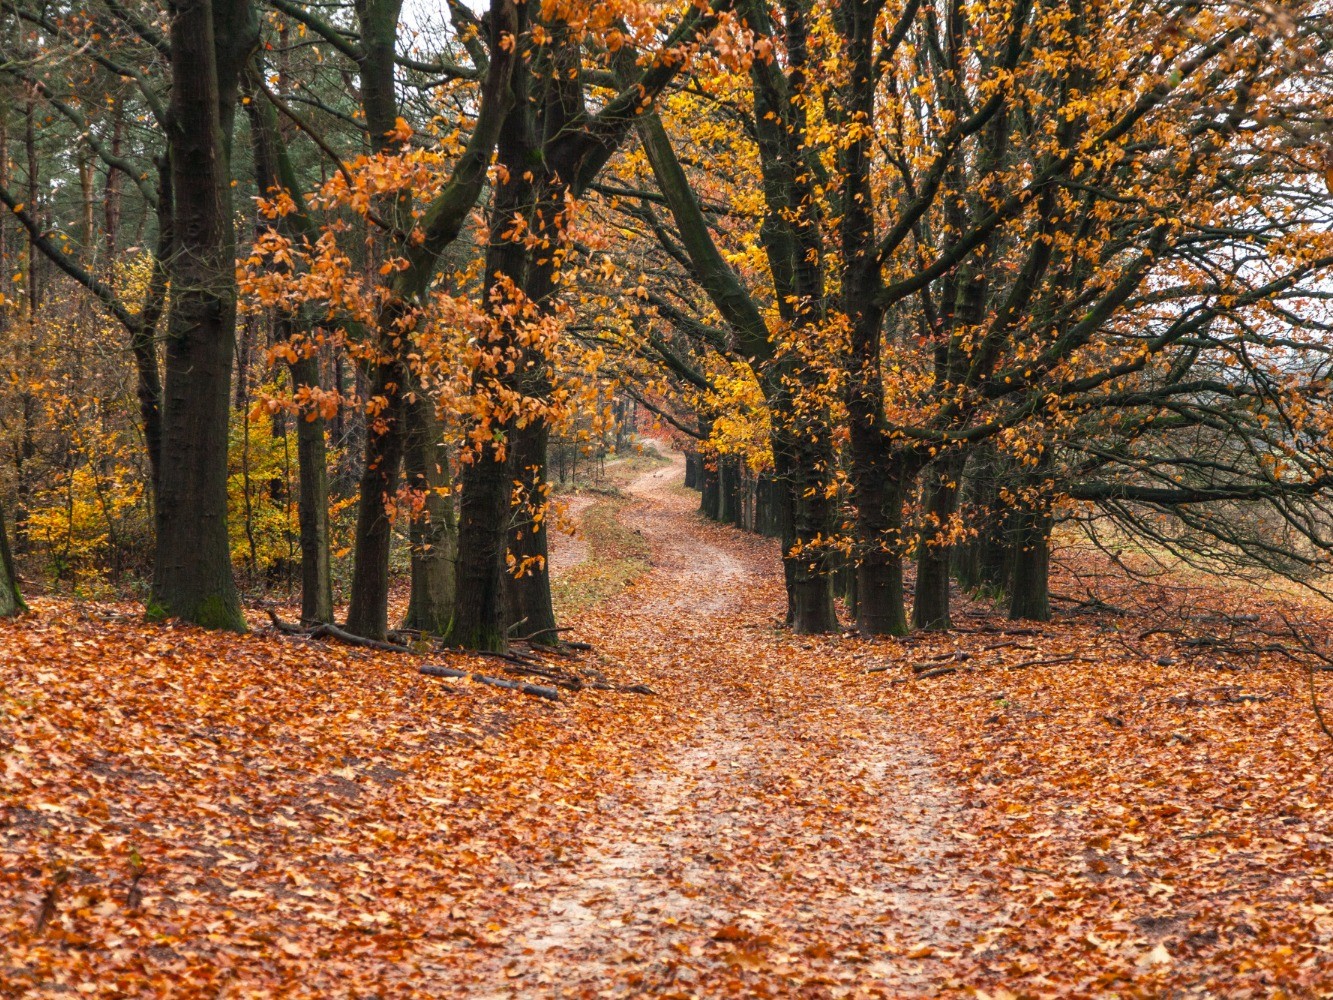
(483,358)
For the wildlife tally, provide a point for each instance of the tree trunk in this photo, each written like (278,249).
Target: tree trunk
(930,607)
(710,490)
(981,565)
(11,601)
(434,529)
(528,595)
(312,505)
(728,489)
(368,610)
(801,471)
(482,515)
(486,480)
(274,170)
(1029,588)
(192,574)
(880,485)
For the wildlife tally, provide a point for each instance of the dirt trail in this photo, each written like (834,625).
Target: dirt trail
(767,831)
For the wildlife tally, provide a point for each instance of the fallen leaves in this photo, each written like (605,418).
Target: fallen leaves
(198,813)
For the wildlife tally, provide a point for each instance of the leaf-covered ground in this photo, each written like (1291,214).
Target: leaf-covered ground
(189,814)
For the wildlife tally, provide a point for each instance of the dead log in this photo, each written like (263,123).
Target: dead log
(547,631)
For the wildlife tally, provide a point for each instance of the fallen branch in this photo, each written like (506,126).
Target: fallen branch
(1049,663)
(1007,645)
(334,632)
(547,631)
(536,690)
(936,672)
(955,657)
(328,631)
(285,627)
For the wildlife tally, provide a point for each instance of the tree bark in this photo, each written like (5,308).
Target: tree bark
(11,600)
(880,609)
(1029,588)
(930,607)
(809,523)
(486,481)
(192,574)
(710,488)
(528,595)
(274,170)
(312,505)
(368,608)
(434,529)
(483,511)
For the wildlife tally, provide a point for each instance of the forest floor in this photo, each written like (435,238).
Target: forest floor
(1131,801)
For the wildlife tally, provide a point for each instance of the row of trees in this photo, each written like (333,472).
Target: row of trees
(992,264)
(357,226)
(930,275)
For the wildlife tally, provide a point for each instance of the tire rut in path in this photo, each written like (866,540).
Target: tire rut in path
(772,829)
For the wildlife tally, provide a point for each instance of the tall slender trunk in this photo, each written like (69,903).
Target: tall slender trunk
(434,529)
(274,170)
(111,195)
(143,338)
(312,503)
(192,575)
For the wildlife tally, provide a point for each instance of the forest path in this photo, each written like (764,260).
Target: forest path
(755,828)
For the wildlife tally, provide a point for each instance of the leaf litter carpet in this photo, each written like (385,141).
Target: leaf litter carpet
(188,814)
